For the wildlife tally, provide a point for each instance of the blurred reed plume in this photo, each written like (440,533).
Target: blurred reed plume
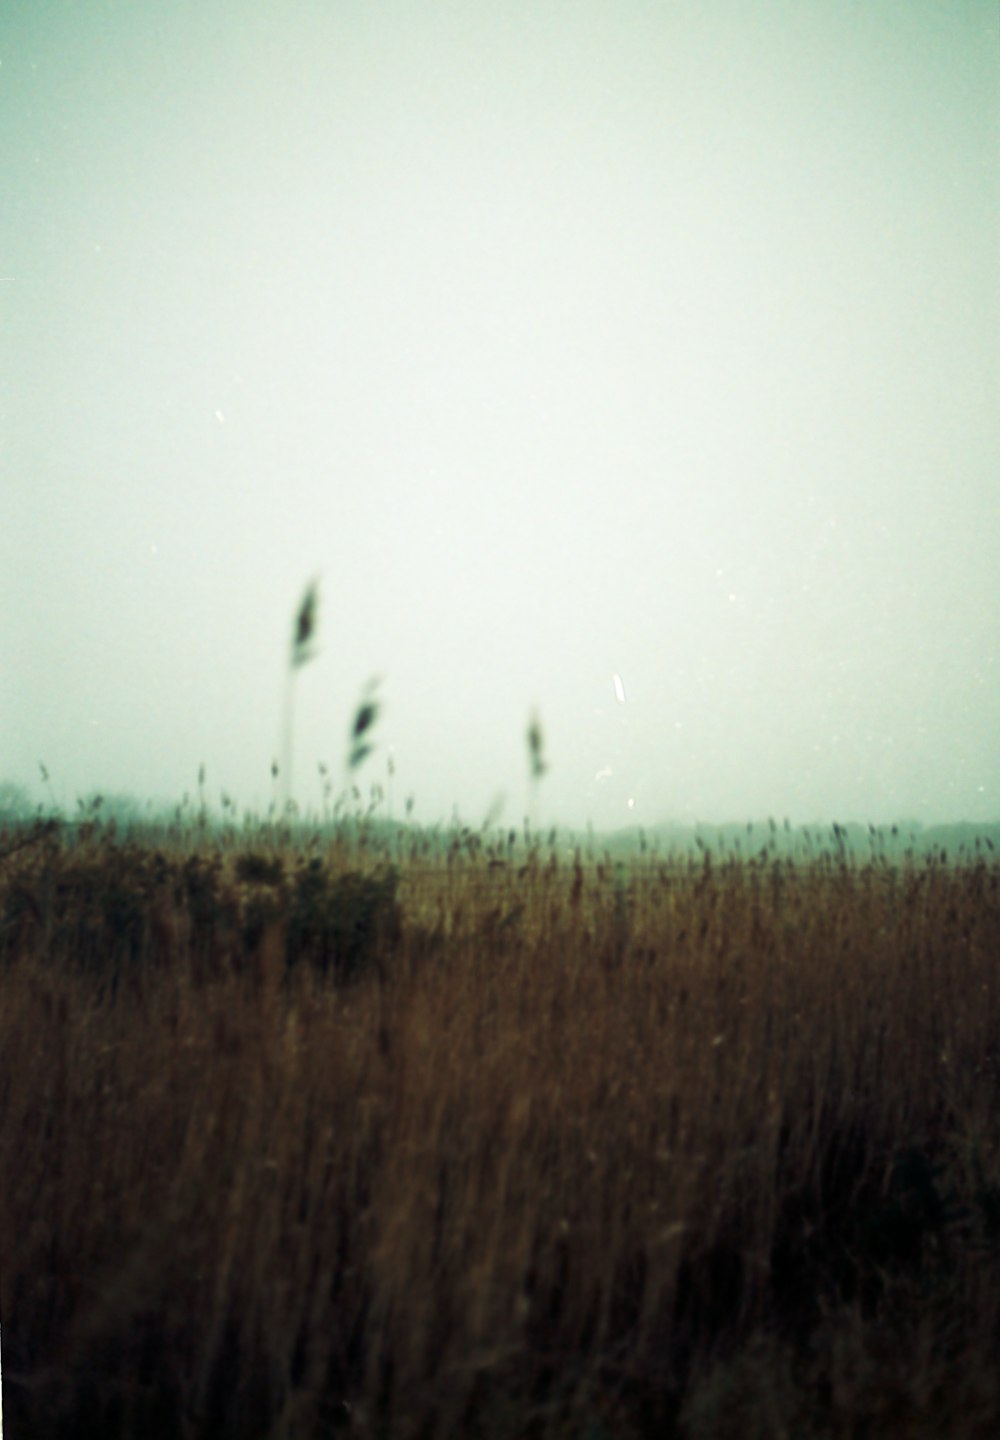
(364,718)
(302,651)
(305,627)
(537,765)
(536,747)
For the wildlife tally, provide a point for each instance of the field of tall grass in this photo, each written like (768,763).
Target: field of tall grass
(314,1137)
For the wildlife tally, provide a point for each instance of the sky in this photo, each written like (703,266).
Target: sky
(635,364)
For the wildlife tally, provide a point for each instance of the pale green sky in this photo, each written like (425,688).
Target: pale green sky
(560,341)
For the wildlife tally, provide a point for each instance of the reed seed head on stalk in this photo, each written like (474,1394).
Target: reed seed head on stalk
(364,718)
(305,627)
(536,747)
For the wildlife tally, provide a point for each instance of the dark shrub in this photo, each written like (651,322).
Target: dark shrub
(342,922)
(257,869)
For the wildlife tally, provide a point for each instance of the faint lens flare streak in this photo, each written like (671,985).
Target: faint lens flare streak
(619,688)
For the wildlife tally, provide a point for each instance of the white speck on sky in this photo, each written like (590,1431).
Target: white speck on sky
(561,341)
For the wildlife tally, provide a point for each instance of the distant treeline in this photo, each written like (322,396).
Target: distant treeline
(852,838)
(150,820)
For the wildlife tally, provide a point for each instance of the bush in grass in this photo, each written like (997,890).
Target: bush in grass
(98,909)
(341,923)
(254,868)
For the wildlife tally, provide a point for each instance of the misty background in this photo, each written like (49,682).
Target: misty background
(560,342)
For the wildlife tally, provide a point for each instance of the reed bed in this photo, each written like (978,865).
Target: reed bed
(299,1141)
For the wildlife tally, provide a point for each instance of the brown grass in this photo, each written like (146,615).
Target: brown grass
(296,1144)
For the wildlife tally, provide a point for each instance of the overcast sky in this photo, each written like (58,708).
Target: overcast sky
(560,341)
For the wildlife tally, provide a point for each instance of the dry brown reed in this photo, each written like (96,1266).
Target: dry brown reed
(704,1149)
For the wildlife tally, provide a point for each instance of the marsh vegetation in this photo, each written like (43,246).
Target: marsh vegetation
(304,1136)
